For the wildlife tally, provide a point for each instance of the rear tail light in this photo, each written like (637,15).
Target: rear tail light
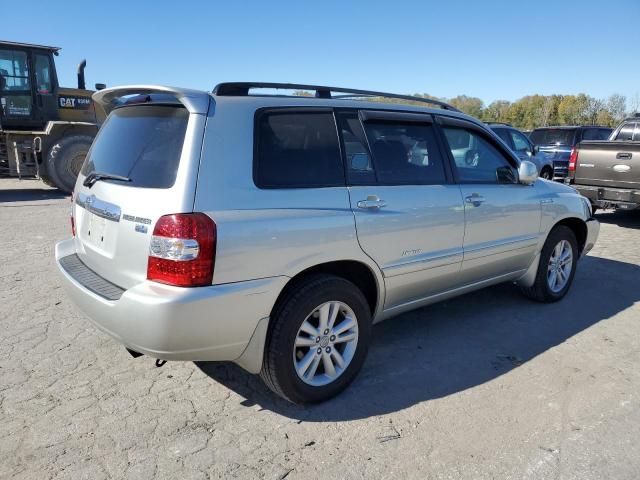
(573,159)
(183,250)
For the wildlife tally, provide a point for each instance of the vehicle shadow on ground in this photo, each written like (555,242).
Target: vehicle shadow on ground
(455,345)
(626,219)
(30,195)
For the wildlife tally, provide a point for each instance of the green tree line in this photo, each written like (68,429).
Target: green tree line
(535,111)
(543,110)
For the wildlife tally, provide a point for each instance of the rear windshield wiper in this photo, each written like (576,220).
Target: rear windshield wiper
(93,177)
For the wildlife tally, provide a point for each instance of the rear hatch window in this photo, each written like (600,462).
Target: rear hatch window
(142,143)
(553,136)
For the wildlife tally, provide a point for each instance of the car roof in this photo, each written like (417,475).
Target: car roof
(567,127)
(197,101)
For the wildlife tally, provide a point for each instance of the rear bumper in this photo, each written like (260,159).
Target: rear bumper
(560,169)
(593,230)
(606,197)
(173,323)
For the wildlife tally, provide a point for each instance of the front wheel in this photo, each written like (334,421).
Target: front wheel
(557,266)
(318,340)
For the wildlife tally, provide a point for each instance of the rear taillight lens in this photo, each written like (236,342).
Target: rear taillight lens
(183,250)
(73,221)
(573,159)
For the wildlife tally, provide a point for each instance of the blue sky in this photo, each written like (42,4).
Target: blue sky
(492,50)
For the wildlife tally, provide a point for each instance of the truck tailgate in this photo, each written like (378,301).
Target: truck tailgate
(608,164)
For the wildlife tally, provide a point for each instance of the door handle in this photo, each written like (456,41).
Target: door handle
(624,156)
(475,199)
(373,202)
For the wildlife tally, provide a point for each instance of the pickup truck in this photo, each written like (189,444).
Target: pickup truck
(608,172)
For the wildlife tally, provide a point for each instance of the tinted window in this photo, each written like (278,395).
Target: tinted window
(297,150)
(553,136)
(404,153)
(595,134)
(504,135)
(356,155)
(520,142)
(476,159)
(14,70)
(626,133)
(143,143)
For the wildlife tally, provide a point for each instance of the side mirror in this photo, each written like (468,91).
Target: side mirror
(536,149)
(101,86)
(527,172)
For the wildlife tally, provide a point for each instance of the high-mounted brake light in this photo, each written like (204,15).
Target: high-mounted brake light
(182,250)
(573,159)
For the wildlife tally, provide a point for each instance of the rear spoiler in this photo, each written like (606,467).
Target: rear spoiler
(195,101)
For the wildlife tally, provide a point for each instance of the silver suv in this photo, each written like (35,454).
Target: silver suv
(274,230)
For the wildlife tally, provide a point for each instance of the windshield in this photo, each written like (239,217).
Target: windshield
(142,143)
(553,136)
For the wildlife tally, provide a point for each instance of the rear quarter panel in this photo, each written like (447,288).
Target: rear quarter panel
(267,232)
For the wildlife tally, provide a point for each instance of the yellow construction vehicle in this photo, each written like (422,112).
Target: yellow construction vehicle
(45,130)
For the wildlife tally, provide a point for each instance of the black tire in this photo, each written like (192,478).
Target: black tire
(540,290)
(44,176)
(546,173)
(65,159)
(278,370)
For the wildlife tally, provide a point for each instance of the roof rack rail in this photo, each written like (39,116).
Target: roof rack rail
(242,89)
(499,123)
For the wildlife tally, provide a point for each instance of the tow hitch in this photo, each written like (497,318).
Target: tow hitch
(134,354)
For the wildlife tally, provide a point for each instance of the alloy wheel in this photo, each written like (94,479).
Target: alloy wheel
(560,265)
(325,343)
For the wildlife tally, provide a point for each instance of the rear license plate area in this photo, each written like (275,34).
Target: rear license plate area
(604,194)
(96,230)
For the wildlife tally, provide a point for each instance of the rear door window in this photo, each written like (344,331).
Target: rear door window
(297,150)
(405,153)
(504,135)
(142,142)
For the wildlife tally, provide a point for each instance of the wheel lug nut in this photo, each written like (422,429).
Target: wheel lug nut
(332,338)
(319,351)
(317,339)
(326,332)
(328,350)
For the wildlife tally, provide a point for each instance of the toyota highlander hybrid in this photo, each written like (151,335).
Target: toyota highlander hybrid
(273,231)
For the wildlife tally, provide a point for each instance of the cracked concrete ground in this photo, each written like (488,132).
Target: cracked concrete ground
(489,385)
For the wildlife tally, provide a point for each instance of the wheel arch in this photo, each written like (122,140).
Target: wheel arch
(579,229)
(357,272)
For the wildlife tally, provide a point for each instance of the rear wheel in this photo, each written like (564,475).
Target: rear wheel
(557,266)
(318,340)
(546,173)
(65,160)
